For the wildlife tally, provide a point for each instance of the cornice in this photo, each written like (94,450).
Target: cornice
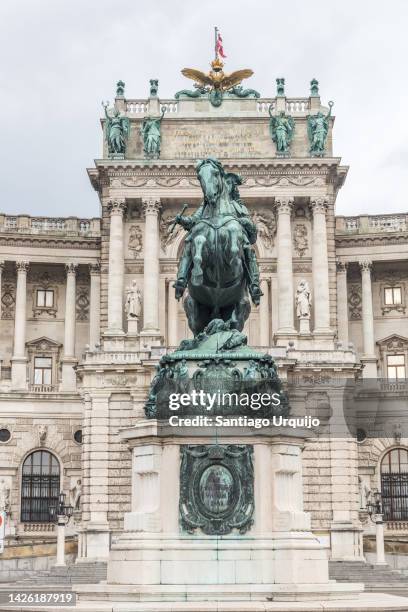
(189,164)
(371,240)
(49,242)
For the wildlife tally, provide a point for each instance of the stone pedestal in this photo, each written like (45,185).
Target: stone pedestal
(278,555)
(133,326)
(304,326)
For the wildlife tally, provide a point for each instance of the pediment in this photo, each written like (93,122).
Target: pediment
(393,342)
(43,344)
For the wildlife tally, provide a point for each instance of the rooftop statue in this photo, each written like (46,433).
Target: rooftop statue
(151,135)
(318,129)
(281,128)
(218,264)
(117,129)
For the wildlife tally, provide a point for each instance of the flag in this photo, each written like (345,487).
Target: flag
(219,49)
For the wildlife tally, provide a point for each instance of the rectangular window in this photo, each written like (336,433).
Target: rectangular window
(45,298)
(396,367)
(42,370)
(392,296)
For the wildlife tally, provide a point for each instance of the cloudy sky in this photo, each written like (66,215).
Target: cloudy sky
(61,58)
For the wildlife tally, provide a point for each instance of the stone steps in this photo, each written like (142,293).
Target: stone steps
(81,573)
(375,577)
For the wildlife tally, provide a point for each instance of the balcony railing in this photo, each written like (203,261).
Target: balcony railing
(372,224)
(70,226)
(43,388)
(397,525)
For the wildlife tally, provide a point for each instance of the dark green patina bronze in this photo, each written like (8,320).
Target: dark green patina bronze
(218,264)
(117,129)
(216,96)
(151,135)
(317,130)
(216,488)
(281,128)
(216,360)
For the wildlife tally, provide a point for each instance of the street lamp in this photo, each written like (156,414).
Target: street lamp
(60,514)
(375,511)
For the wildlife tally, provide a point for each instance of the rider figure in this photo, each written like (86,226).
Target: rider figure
(232,181)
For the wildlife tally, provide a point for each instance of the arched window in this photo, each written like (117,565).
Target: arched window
(394,484)
(40,486)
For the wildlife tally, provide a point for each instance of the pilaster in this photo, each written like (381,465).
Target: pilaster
(19,359)
(284,206)
(342,303)
(68,382)
(320,272)
(95,306)
(117,209)
(368,358)
(151,208)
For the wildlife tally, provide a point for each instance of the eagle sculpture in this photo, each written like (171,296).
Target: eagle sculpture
(216,78)
(214,82)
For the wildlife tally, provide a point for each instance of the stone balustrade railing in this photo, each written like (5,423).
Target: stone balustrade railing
(396,525)
(71,226)
(113,358)
(370,224)
(295,106)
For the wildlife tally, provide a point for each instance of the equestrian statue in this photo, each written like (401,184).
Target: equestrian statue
(218,264)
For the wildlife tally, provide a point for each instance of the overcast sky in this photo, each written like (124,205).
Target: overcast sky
(60,58)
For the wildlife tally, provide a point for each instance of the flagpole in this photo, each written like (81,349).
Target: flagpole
(215,41)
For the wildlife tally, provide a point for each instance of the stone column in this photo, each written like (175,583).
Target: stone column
(320,269)
(1,274)
(69,360)
(264,314)
(172,315)
(94,310)
(19,360)
(285,268)
(116,268)
(368,358)
(342,303)
(151,270)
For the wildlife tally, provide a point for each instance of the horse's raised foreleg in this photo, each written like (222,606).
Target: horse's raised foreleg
(197,271)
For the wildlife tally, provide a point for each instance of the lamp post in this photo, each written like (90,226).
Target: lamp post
(375,511)
(60,513)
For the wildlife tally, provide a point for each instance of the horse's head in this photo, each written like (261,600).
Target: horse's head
(212,179)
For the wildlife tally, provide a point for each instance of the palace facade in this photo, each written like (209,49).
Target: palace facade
(75,371)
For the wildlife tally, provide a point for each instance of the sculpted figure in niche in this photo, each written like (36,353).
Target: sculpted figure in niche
(300,239)
(75,494)
(266,227)
(135,240)
(4,496)
(303,300)
(133,303)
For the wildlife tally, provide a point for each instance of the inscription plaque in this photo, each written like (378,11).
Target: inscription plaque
(216,488)
(216,484)
(216,139)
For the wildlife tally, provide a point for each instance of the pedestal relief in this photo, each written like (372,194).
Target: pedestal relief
(216,489)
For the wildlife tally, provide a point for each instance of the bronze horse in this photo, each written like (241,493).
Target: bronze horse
(217,254)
